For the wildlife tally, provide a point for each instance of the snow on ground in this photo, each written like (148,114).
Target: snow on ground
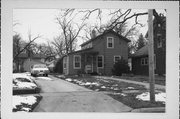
(44,78)
(103,87)
(88,83)
(24,85)
(23,81)
(158,97)
(122,94)
(130,88)
(27,100)
(21,75)
(68,79)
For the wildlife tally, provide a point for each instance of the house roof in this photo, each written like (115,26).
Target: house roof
(105,32)
(89,50)
(25,55)
(141,52)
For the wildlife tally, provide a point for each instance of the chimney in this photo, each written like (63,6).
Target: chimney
(93,34)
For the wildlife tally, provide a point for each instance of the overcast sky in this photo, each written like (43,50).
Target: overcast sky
(42,21)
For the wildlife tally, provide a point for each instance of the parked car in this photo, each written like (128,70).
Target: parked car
(39,70)
(23,84)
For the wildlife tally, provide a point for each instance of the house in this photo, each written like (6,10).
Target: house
(24,62)
(140,64)
(97,55)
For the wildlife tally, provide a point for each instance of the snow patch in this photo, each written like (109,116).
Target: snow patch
(19,100)
(122,94)
(44,78)
(68,79)
(82,83)
(158,97)
(24,85)
(21,75)
(88,83)
(95,83)
(103,87)
(130,88)
(22,81)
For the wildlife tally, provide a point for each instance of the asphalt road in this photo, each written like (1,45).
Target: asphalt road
(62,96)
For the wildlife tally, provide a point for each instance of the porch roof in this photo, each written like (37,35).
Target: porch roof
(85,51)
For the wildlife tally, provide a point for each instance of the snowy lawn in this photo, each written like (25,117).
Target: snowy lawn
(25,103)
(141,99)
(133,95)
(23,83)
(100,84)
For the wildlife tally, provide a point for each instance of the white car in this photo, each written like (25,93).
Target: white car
(39,70)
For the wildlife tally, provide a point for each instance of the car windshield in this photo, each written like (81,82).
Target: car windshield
(39,66)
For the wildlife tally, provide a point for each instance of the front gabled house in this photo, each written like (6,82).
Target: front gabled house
(97,55)
(24,62)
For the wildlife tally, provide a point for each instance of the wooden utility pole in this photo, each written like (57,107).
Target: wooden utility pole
(151,55)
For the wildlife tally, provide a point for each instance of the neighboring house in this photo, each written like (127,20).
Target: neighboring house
(140,65)
(97,54)
(51,65)
(24,62)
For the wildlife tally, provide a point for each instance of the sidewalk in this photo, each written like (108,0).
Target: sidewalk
(157,87)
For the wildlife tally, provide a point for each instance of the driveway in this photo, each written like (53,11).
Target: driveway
(62,96)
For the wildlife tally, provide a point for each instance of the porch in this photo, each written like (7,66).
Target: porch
(89,62)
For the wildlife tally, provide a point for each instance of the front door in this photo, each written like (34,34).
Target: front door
(89,64)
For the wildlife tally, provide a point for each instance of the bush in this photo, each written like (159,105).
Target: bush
(58,66)
(94,73)
(120,67)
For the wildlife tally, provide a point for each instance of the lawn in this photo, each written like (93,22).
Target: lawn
(158,79)
(133,95)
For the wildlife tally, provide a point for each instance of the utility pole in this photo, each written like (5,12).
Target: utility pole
(151,55)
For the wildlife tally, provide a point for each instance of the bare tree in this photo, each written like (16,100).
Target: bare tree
(59,45)
(46,49)
(69,29)
(27,46)
(118,23)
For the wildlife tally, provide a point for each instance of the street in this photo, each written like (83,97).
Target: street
(62,96)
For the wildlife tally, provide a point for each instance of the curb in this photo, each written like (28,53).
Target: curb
(150,110)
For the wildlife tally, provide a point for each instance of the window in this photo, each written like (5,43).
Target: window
(100,61)
(159,41)
(77,61)
(65,62)
(117,58)
(144,61)
(110,42)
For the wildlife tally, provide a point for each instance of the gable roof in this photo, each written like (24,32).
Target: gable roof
(105,32)
(141,52)
(25,55)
